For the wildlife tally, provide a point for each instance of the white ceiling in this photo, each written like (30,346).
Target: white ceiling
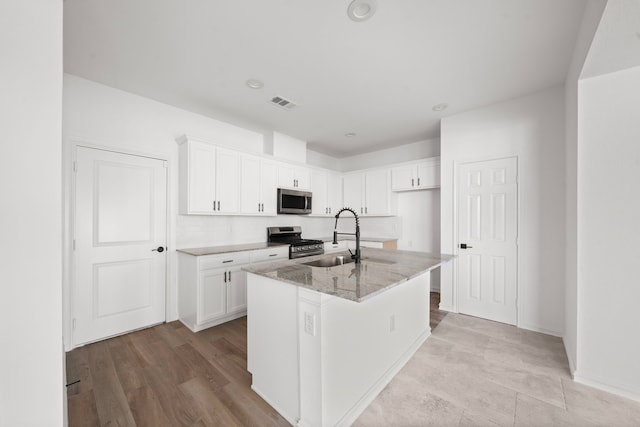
(379,78)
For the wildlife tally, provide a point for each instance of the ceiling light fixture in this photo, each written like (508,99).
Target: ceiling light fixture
(350,135)
(361,10)
(439,107)
(255,84)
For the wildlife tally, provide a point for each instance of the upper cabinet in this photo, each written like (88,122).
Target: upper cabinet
(416,176)
(326,187)
(209,178)
(258,185)
(369,192)
(292,176)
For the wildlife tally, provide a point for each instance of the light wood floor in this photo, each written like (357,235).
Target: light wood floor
(169,376)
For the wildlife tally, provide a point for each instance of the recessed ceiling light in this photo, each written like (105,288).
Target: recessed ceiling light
(439,107)
(350,135)
(361,10)
(255,84)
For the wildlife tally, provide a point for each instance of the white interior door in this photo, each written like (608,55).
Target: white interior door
(120,226)
(487,226)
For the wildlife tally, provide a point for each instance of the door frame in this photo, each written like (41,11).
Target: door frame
(69,217)
(456,250)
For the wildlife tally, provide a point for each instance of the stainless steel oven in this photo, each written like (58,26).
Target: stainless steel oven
(298,247)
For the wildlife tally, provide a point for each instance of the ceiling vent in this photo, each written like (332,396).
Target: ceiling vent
(279,101)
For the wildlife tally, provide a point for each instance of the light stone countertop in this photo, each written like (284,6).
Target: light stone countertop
(215,250)
(379,271)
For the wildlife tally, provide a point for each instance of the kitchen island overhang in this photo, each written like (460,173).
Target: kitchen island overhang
(324,341)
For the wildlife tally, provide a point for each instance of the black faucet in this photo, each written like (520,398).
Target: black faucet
(355,256)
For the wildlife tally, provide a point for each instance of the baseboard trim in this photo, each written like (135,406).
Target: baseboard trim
(292,420)
(446,308)
(535,328)
(572,364)
(601,385)
(352,415)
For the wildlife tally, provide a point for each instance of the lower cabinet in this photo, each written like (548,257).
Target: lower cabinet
(212,289)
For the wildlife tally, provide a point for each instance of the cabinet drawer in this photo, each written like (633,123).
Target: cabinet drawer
(224,260)
(276,253)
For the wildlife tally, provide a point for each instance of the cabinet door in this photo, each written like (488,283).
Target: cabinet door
(353,192)
(211,295)
(250,184)
(319,190)
(428,175)
(377,192)
(403,178)
(201,177)
(227,180)
(268,187)
(236,290)
(334,193)
(286,175)
(302,177)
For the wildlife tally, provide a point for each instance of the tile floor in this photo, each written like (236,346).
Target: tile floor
(474,372)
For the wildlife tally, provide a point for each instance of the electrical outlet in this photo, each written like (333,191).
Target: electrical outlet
(310,323)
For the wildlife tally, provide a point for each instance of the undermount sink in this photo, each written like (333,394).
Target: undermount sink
(330,261)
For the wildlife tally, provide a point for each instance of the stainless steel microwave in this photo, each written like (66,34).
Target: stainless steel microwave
(294,202)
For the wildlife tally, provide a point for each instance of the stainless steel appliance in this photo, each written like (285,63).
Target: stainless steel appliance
(294,201)
(298,247)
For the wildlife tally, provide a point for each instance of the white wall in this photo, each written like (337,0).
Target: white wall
(590,20)
(403,153)
(289,148)
(31,359)
(608,232)
(532,128)
(101,116)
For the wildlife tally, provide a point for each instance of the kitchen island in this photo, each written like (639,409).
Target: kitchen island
(324,341)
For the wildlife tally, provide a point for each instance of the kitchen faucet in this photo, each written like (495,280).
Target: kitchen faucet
(355,256)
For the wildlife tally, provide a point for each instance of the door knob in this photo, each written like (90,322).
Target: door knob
(159,249)
(465,246)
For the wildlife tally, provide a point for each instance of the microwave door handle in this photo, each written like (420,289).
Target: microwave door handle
(306,203)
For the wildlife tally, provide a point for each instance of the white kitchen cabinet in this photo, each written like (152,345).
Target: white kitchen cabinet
(209,178)
(416,176)
(258,185)
(327,192)
(369,192)
(212,289)
(293,176)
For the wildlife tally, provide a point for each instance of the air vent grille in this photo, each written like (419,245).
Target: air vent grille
(281,102)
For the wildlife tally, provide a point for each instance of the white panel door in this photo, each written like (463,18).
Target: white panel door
(202,177)
(268,187)
(354,192)
(334,192)
(378,188)
(227,181)
(487,226)
(319,190)
(120,225)
(250,184)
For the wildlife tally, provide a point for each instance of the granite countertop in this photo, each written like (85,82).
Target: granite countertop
(214,250)
(362,239)
(379,271)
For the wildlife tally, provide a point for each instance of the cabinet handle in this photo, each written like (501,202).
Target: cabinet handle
(227,260)
(329,210)
(229,276)
(225,277)
(218,205)
(418,182)
(326,210)
(361,210)
(366,210)
(262,204)
(412,182)
(273,254)
(214,205)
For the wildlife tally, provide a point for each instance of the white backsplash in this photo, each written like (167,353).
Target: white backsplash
(193,231)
